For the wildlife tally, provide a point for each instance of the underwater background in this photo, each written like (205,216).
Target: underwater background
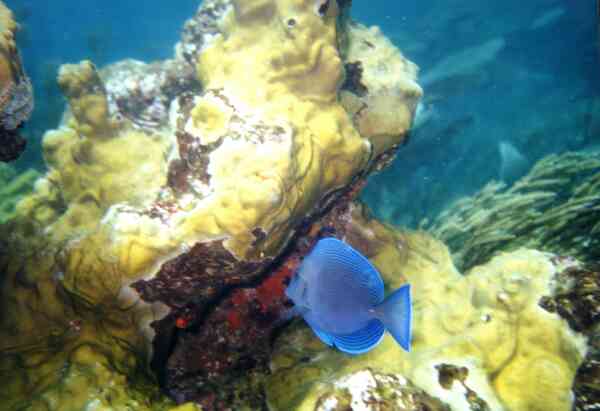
(529,89)
(151,227)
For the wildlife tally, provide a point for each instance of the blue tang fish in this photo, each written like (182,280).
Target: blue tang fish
(340,295)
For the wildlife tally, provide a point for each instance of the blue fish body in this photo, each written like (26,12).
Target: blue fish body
(341,297)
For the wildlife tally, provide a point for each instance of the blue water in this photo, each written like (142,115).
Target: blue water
(538,93)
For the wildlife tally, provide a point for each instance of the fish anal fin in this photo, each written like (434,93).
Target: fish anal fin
(362,340)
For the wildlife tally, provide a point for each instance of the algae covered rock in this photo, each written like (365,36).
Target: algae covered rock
(578,301)
(16,96)
(307,377)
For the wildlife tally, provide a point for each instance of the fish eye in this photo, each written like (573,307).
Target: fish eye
(291,23)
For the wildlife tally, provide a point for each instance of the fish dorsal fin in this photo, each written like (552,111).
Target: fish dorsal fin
(362,340)
(333,255)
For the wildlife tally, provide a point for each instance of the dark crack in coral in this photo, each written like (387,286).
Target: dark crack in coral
(197,276)
(352,81)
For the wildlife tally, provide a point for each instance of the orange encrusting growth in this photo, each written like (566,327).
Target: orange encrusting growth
(266,297)
(234,319)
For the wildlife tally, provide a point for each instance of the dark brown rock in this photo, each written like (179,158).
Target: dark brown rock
(11,145)
(578,302)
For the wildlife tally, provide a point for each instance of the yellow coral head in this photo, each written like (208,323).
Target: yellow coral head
(287,46)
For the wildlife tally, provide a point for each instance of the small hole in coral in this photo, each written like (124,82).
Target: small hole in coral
(323,8)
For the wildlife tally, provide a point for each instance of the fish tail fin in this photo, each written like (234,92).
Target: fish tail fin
(395,312)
